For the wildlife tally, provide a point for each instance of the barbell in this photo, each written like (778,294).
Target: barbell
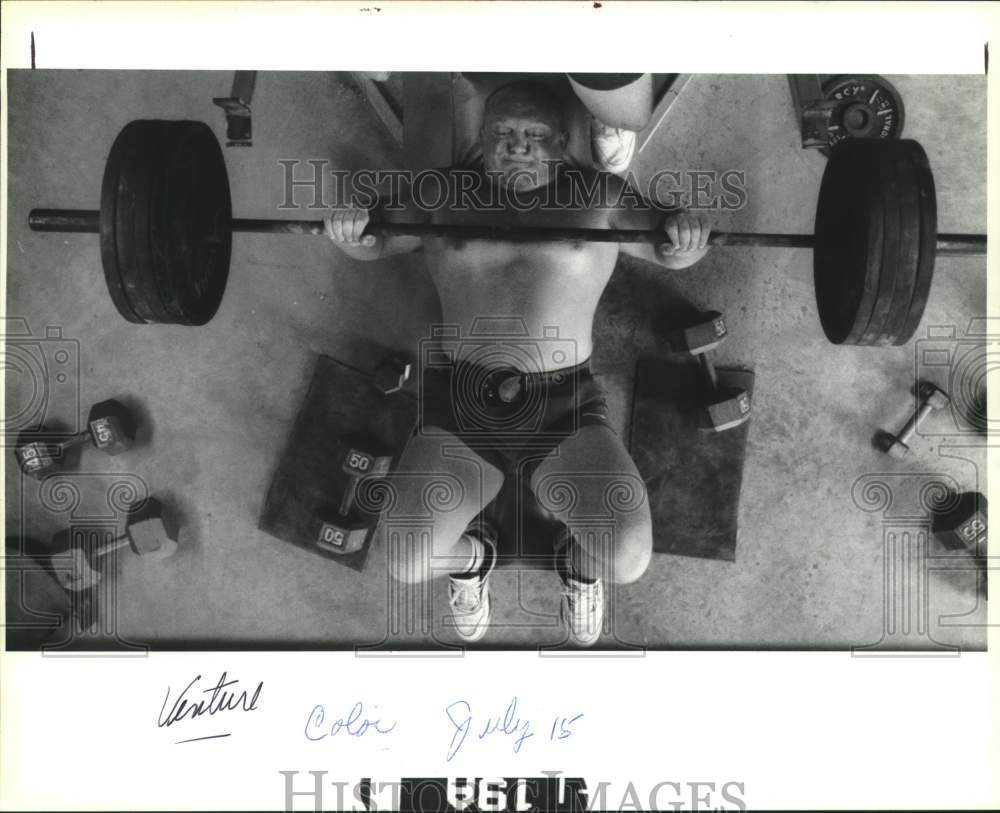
(166,227)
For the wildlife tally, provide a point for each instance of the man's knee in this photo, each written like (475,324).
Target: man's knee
(633,549)
(408,559)
(618,548)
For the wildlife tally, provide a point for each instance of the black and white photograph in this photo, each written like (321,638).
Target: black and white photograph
(513,360)
(407,364)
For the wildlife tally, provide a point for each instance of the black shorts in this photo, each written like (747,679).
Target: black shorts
(510,418)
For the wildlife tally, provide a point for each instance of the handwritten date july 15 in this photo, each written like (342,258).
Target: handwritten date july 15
(509,724)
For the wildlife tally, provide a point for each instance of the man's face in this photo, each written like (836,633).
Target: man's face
(522,141)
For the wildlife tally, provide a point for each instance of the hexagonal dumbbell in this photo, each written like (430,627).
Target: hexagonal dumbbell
(962,524)
(725,407)
(110,429)
(931,398)
(145,534)
(342,526)
(392,374)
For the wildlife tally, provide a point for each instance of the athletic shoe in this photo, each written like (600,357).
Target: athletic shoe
(582,609)
(469,595)
(611,147)
(582,603)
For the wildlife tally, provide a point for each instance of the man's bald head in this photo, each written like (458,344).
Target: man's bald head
(524,133)
(526,99)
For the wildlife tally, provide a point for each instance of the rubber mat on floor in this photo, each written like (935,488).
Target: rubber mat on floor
(342,404)
(693,475)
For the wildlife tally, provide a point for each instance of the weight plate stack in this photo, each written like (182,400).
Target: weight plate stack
(875,235)
(197,213)
(145,170)
(905,199)
(113,170)
(849,237)
(165,222)
(927,251)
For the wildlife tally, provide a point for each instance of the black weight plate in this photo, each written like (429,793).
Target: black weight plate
(928,242)
(147,170)
(908,252)
(199,212)
(885,174)
(160,232)
(132,205)
(849,236)
(109,244)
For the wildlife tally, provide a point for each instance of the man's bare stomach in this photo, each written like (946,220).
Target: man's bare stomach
(525,306)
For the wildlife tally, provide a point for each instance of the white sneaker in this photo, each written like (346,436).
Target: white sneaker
(469,595)
(612,147)
(582,610)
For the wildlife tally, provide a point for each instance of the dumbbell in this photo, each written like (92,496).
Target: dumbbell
(343,527)
(962,525)
(726,407)
(392,374)
(145,534)
(110,429)
(931,398)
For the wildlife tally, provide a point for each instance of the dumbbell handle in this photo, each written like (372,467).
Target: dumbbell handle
(115,544)
(86,436)
(89,221)
(911,425)
(709,368)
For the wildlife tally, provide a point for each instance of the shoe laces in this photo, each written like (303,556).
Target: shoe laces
(467,593)
(581,597)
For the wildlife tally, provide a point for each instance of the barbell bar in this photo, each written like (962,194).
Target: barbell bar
(85,221)
(166,229)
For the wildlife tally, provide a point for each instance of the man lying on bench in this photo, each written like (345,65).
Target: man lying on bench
(530,404)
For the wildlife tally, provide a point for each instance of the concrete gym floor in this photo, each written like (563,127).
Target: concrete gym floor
(216,403)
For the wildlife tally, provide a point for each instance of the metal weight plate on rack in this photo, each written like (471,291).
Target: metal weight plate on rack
(868,107)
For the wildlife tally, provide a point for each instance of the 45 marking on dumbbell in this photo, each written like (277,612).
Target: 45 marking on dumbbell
(110,429)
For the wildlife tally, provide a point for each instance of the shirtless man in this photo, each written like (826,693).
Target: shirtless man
(490,409)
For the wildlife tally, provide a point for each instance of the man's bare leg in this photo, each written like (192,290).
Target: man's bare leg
(591,484)
(439,487)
